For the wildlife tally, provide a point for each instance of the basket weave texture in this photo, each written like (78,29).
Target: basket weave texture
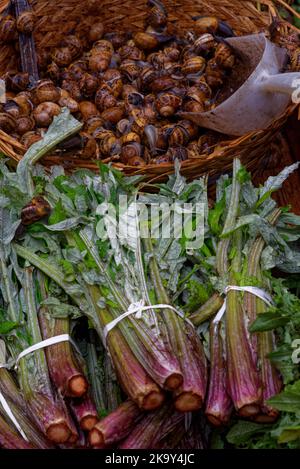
(56,19)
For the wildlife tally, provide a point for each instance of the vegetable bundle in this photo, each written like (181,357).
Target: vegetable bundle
(134,281)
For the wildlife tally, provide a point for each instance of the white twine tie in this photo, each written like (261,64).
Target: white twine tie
(137,309)
(40,345)
(262,294)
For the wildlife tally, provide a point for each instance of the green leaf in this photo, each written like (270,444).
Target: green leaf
(7,326)
(268,321)
(288,400)
(242,431)
(274,183)
(215,215)
(58,214)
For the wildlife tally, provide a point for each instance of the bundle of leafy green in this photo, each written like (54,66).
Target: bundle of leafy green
(92,247)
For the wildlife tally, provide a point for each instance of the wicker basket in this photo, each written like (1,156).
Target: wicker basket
(55,20)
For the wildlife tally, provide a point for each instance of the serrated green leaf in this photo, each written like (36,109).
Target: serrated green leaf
(267,322)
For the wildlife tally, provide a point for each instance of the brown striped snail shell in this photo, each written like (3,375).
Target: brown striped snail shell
(206,24)
(146,41)
(113,81)
(89,146)
(193,65)
(193,106)
(113,114)
(93,124)
(24,124)
(162,83)
(130,137)
(214,74)
(167,104)
(35,210)
(147,76)
(18,82)
(62,56)
(224,56)
(24,101)
(131,52)
(104,99)
(99,61)
(108,143)
(77,69)
(172,53)
(12,108)
(180,153)
(88,85)
(7,122)
(65,100)
(72,87)
(88,109)
(295,60)
(26,21)
(131,150)
(130,69)
(158,16)
(8,29)
(74,45)
(44,113)
(46,91)
(204,43)
(53,71)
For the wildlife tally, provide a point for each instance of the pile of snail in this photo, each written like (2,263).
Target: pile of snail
(127,89)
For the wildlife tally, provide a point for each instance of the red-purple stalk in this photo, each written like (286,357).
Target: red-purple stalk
(116,426)
(218,406)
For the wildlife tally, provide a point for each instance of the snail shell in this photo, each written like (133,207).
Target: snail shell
(7,122)
(104,99)
(24,124)
(26,22)
(46,91)
(93,124)
(18,82)
(224,56)
(108,142)
(214,74)
(193,65)
(88,85)
(145,41)
(130,69)
(131,52)
(130,150)
(35,210)
(62,56)
(206,24)
(204,43)
(113,114)
(8,30)
(88,109)
(44,113)
(74,45)
(167,104)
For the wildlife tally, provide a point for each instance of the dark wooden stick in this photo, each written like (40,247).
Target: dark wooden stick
(27,46)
